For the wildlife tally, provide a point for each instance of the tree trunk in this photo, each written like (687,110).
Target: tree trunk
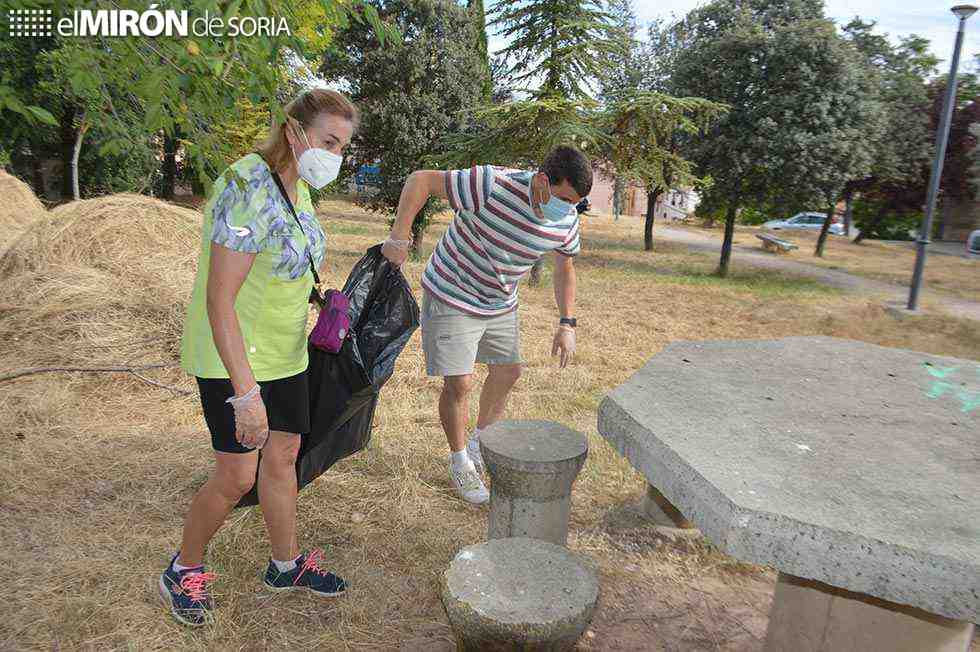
(848,212)
(825,229)
(38,173)
(944,214)
(82,128)
(648,224)
(617,198)
(67,148)
(415,251)
(726,245)
(169,171)
(534,280)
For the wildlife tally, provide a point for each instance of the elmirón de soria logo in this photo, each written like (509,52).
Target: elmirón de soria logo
(151,21)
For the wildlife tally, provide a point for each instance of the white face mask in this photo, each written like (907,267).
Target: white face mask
(317,166)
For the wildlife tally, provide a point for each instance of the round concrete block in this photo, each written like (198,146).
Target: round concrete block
(532,465)
(518,594)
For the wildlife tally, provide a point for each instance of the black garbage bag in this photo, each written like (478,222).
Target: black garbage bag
(344,386)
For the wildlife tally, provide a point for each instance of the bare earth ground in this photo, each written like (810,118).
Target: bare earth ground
(98,471)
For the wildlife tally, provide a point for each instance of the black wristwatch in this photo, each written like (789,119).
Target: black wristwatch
(568,321)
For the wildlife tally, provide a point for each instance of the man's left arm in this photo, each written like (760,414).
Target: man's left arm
(564,342)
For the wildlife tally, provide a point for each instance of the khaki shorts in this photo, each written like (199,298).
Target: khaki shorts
(454,340)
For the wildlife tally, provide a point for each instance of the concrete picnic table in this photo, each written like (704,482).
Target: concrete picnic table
(852,469)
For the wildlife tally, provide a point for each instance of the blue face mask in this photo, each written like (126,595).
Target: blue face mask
(556,209)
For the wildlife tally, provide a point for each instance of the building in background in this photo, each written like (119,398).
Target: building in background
(958,220)
(674,205)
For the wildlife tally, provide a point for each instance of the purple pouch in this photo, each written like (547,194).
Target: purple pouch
(333,324)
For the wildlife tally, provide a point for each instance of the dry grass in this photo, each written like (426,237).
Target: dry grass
(100,281)
(883,261)
(98,471)
(19,208)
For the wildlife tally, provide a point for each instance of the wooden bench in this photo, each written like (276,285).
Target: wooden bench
(774,244)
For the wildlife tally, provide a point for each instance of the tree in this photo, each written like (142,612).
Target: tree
(797,110)
(633,131)
(115,88)
(656,60)
(643,133)
(629,65)
(410,95)
(726,66)
(823,113)
(901,150)
(626,73)
(558,46)
(479,18)
(521,133)
(31,138)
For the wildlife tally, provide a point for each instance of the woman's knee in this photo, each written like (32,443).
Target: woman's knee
(281,451)
(235,477)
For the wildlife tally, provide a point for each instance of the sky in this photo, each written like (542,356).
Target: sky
(929,18)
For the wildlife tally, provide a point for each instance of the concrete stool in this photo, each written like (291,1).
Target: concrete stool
(532,465)
(518,594)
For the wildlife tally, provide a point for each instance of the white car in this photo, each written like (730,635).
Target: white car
(808,221)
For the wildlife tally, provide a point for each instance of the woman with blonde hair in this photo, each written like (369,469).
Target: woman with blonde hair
(245,342)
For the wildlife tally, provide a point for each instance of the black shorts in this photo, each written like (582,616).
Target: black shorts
(287,403)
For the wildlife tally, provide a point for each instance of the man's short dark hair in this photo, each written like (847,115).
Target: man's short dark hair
(567,163)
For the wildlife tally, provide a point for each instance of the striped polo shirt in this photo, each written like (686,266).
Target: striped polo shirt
(494,239)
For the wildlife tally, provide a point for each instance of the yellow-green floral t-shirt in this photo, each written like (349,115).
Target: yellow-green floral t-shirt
(247,213)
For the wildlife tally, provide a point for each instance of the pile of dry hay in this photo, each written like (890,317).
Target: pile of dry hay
(99,281)
(19,207)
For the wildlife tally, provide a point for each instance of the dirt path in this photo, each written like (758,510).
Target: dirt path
(743,255)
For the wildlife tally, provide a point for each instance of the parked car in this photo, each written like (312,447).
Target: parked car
(367,175)
(807,221)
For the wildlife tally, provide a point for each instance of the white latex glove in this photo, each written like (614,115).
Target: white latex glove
(251,419)
(396,251)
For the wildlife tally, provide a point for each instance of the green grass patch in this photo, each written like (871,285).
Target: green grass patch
(697,270)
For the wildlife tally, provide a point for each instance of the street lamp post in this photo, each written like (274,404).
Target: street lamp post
(942,136)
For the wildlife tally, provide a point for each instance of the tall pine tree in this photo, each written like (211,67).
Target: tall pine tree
(479,18)
(557,47)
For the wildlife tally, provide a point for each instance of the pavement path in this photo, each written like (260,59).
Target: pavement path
(890,292)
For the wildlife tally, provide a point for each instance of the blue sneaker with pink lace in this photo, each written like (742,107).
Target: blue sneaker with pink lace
(186,592)
(307,575)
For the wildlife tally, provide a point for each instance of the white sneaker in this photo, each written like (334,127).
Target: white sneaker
(468,484)
(473,450)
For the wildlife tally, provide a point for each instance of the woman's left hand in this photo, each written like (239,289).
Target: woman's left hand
(396,251)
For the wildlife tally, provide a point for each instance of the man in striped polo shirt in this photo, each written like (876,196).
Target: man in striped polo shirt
(505,221)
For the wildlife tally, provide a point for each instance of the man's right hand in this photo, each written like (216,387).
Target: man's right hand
(251,422)
(396,254)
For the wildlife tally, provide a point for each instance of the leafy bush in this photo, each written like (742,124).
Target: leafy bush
(893,225)
(104,171)
(751,215)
